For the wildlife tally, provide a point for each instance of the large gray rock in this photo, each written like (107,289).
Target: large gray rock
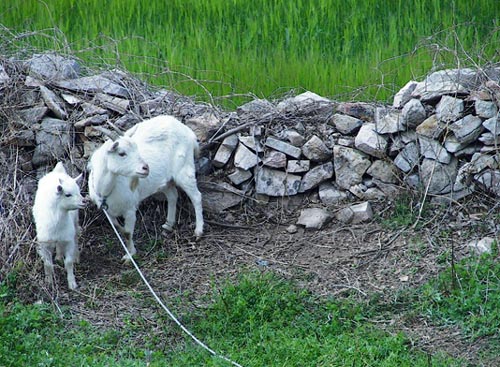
(439,83)
(384,171)
(431,149)
(449,109)
(294,137)
(489,139)
(388,121)
(53,102)
(53,67)
(313,218)
(485,109)
(53,141)
(225,151)
(467,129)
(283,147)
(316,150)
(251,142)
(93,84)
(452,144)
(298,166)
(257,107)
(408,158)
(350,165)
(330,194)
(304,103)
(272,182)
(431,127)
(361,110)
(345,124)
(439,177)
(239,176)
(275,159)
(32,115)
(357,213)
(413,113)
(244,158)
(370,142)
(316,176)
(492,125)
(404,94)
(202,125)
(117,104)
(219,196)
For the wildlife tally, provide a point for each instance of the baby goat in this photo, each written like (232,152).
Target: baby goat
(55,212)
(155,155)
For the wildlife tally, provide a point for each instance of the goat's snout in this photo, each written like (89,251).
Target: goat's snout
(85,200)
(144,170)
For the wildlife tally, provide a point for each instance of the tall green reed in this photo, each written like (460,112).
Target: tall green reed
(349,50)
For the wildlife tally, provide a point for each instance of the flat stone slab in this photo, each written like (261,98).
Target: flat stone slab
(313,218)
(283,147)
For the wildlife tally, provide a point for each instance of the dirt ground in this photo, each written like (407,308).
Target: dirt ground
(362,261)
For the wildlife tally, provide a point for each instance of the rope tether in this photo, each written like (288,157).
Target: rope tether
(157,298)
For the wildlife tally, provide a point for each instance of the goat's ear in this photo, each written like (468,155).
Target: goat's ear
(113,147)
(130,132)
(59,168)
(78,179)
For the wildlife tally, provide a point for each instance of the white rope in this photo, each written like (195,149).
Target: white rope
(157,298)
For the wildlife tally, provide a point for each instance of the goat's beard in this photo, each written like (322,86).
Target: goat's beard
(134,182)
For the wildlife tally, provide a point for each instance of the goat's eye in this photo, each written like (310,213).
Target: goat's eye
(122,154)
(68,195)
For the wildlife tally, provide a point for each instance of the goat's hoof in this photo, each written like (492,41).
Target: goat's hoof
(72,286)
(168,227)
(126,259)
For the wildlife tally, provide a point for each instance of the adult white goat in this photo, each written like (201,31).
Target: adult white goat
(55,212)
(155,155)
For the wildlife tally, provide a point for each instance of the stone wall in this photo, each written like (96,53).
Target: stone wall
(440,135)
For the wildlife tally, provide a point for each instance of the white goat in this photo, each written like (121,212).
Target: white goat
(155,155)
(55,212)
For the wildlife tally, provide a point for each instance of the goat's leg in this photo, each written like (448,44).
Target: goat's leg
(78,231)
(77,252)
(188,184)
(59,251)
(45,252)
(128,232)
(171,193)
(69,260)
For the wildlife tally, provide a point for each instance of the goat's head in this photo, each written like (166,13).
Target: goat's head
(68,190)
(123,158)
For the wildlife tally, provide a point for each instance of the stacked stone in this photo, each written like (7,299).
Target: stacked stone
(440,135)
(51,110)
(436,134)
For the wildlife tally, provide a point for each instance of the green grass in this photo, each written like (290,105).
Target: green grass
(405,212)
(360,49)
(259,321)
(467,295)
